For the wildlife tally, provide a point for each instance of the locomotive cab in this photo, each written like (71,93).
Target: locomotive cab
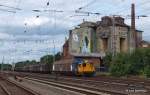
(86,68)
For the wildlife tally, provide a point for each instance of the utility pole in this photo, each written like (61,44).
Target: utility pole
(54,51)
(13,66)
(56,76)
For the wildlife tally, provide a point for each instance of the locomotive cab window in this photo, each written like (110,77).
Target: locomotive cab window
(84,64)
(79,65)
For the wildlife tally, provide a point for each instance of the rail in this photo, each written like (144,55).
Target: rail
(7,84)
(5,90)
(76,88)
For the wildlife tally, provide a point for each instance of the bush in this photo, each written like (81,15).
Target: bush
(119,67)
(107,60)
(136,63)
(147,71)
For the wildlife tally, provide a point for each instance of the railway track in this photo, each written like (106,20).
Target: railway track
(74,87)
(3,90)
(8,87)
(96,80)
(105,84)
(99,79)
(106,79)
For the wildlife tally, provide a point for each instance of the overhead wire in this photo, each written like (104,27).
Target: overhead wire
(5,10)
(15,8)
(144,10)
(128,8)
(14,17)
(55,16)
(87,5)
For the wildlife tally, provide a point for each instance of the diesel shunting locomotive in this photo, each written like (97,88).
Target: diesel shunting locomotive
(74,66)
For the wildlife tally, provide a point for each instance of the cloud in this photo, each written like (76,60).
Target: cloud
(29,35)
(15,50)
(4,36)
(32,22)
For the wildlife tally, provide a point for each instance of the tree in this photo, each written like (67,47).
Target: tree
(24,63)
(33,62)
(58,56)
(6,66)
(119,66)
(107,60)
(147,71)
(50,58)
(136,63)
(47,59)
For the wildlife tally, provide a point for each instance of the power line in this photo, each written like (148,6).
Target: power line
(5,10)
(15,8)
(87,5)
(126,8)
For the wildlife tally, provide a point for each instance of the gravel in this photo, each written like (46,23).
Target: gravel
(45,89)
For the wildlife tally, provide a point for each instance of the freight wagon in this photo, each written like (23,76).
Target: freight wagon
(35,68)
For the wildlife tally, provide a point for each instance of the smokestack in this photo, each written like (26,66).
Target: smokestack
(133,16)
(133,30)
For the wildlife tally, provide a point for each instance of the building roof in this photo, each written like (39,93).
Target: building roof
(118,21)
(145,44)
(139,31)
(88,54)
(108,21)
(87,24)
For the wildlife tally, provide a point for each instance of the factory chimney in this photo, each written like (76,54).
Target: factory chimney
(133,38)
(133,17)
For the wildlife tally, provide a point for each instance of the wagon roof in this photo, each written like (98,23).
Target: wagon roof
(88,55)
(64,61)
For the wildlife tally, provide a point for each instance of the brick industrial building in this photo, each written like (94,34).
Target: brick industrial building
(108,35)
(94,40)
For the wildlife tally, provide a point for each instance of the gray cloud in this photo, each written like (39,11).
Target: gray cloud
(29,35)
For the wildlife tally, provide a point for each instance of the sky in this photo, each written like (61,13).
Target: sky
(26,34)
